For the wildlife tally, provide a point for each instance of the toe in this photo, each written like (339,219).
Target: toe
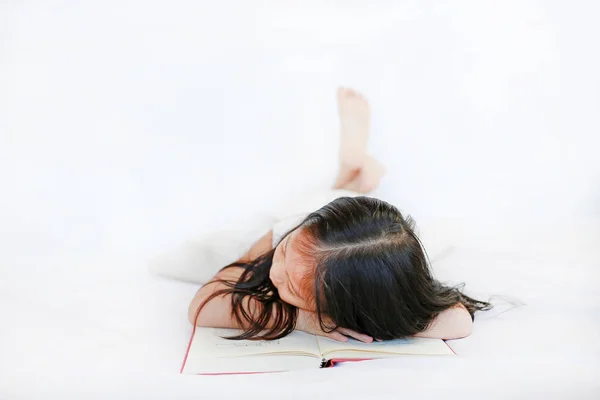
(345,92)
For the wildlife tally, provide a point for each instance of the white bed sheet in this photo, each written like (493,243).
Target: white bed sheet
(108,330)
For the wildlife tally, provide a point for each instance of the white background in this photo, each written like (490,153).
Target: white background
(127,127)
(126,123)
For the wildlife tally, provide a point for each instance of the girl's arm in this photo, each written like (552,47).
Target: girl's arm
(217,312)
(453,323)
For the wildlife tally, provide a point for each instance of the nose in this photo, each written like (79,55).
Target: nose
(276,276)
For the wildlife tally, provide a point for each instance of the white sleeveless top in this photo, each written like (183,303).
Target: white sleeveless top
(282,227)
(293,213)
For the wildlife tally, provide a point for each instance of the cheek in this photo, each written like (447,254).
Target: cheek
(297,300)
(291,299)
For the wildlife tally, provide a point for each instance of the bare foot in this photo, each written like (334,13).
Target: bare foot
(355,119)
(368,177)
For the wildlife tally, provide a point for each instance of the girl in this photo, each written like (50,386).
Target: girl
(353,268)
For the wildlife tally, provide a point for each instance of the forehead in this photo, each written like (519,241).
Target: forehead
(298,265)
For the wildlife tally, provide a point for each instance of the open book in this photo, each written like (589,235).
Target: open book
(209,353)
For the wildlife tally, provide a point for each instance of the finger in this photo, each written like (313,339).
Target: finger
(358,336)
(335,335)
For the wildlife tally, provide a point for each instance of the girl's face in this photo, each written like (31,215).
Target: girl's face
(289,272)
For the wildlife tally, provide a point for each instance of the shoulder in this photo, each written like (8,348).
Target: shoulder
(281,228)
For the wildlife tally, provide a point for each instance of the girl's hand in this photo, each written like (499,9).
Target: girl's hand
(309,322)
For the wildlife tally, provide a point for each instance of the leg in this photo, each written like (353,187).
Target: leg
(355,118)
(359,172)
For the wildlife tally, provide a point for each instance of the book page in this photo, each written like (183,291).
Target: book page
(256,363)
(209,342)
(358,349)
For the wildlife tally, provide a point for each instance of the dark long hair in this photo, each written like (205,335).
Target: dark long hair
(371,275)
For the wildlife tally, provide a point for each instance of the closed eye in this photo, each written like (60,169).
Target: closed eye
(289,286)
